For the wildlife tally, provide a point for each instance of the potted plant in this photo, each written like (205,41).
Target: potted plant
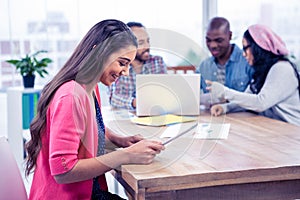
(29,65)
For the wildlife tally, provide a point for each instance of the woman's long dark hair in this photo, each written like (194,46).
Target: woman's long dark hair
(262,63)
(84,66)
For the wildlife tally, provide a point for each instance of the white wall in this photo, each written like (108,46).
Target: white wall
(3,115)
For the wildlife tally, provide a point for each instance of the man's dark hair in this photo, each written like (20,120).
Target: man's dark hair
(137,24)
(217,23)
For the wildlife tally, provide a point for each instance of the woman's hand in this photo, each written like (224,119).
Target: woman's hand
(129,140)
(216,110)
(216,89)
(120,140)
(208,85)
(143,152)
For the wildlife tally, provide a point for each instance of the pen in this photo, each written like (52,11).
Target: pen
(180,134)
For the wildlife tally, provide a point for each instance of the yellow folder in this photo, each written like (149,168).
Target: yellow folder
(162,120)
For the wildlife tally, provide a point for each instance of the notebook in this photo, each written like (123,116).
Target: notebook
(161,94)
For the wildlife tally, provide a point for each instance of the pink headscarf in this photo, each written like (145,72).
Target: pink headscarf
(267,39)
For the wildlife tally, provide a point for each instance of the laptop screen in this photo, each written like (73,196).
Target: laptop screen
(159,94)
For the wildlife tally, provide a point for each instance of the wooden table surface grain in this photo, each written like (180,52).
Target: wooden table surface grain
(259,160)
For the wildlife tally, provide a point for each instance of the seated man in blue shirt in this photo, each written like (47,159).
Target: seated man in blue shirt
(227,64)
(122,91)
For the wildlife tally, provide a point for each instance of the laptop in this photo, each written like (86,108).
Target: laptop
(160,94)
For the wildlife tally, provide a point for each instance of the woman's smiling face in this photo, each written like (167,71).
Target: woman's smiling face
(118,65)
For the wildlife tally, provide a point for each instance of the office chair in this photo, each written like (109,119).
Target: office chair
(11,183)
(182,69)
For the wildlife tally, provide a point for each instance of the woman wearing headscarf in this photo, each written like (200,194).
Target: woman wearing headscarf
(275,88)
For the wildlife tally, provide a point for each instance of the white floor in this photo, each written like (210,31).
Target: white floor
(113,186)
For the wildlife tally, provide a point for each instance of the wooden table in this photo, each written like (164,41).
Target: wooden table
(260,159)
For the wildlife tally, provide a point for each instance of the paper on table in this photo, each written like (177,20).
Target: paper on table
(162,120)
(212,131)
(203,131)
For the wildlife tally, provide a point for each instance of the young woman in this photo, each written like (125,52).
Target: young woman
(66,150)
(275,88)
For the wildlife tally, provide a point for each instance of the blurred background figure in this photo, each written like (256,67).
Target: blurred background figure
(275,88)
(122,92)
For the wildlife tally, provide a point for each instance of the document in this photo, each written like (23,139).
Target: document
(202,131)
(162,120)
(212,131)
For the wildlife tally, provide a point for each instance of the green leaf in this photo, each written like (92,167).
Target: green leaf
(29,64)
